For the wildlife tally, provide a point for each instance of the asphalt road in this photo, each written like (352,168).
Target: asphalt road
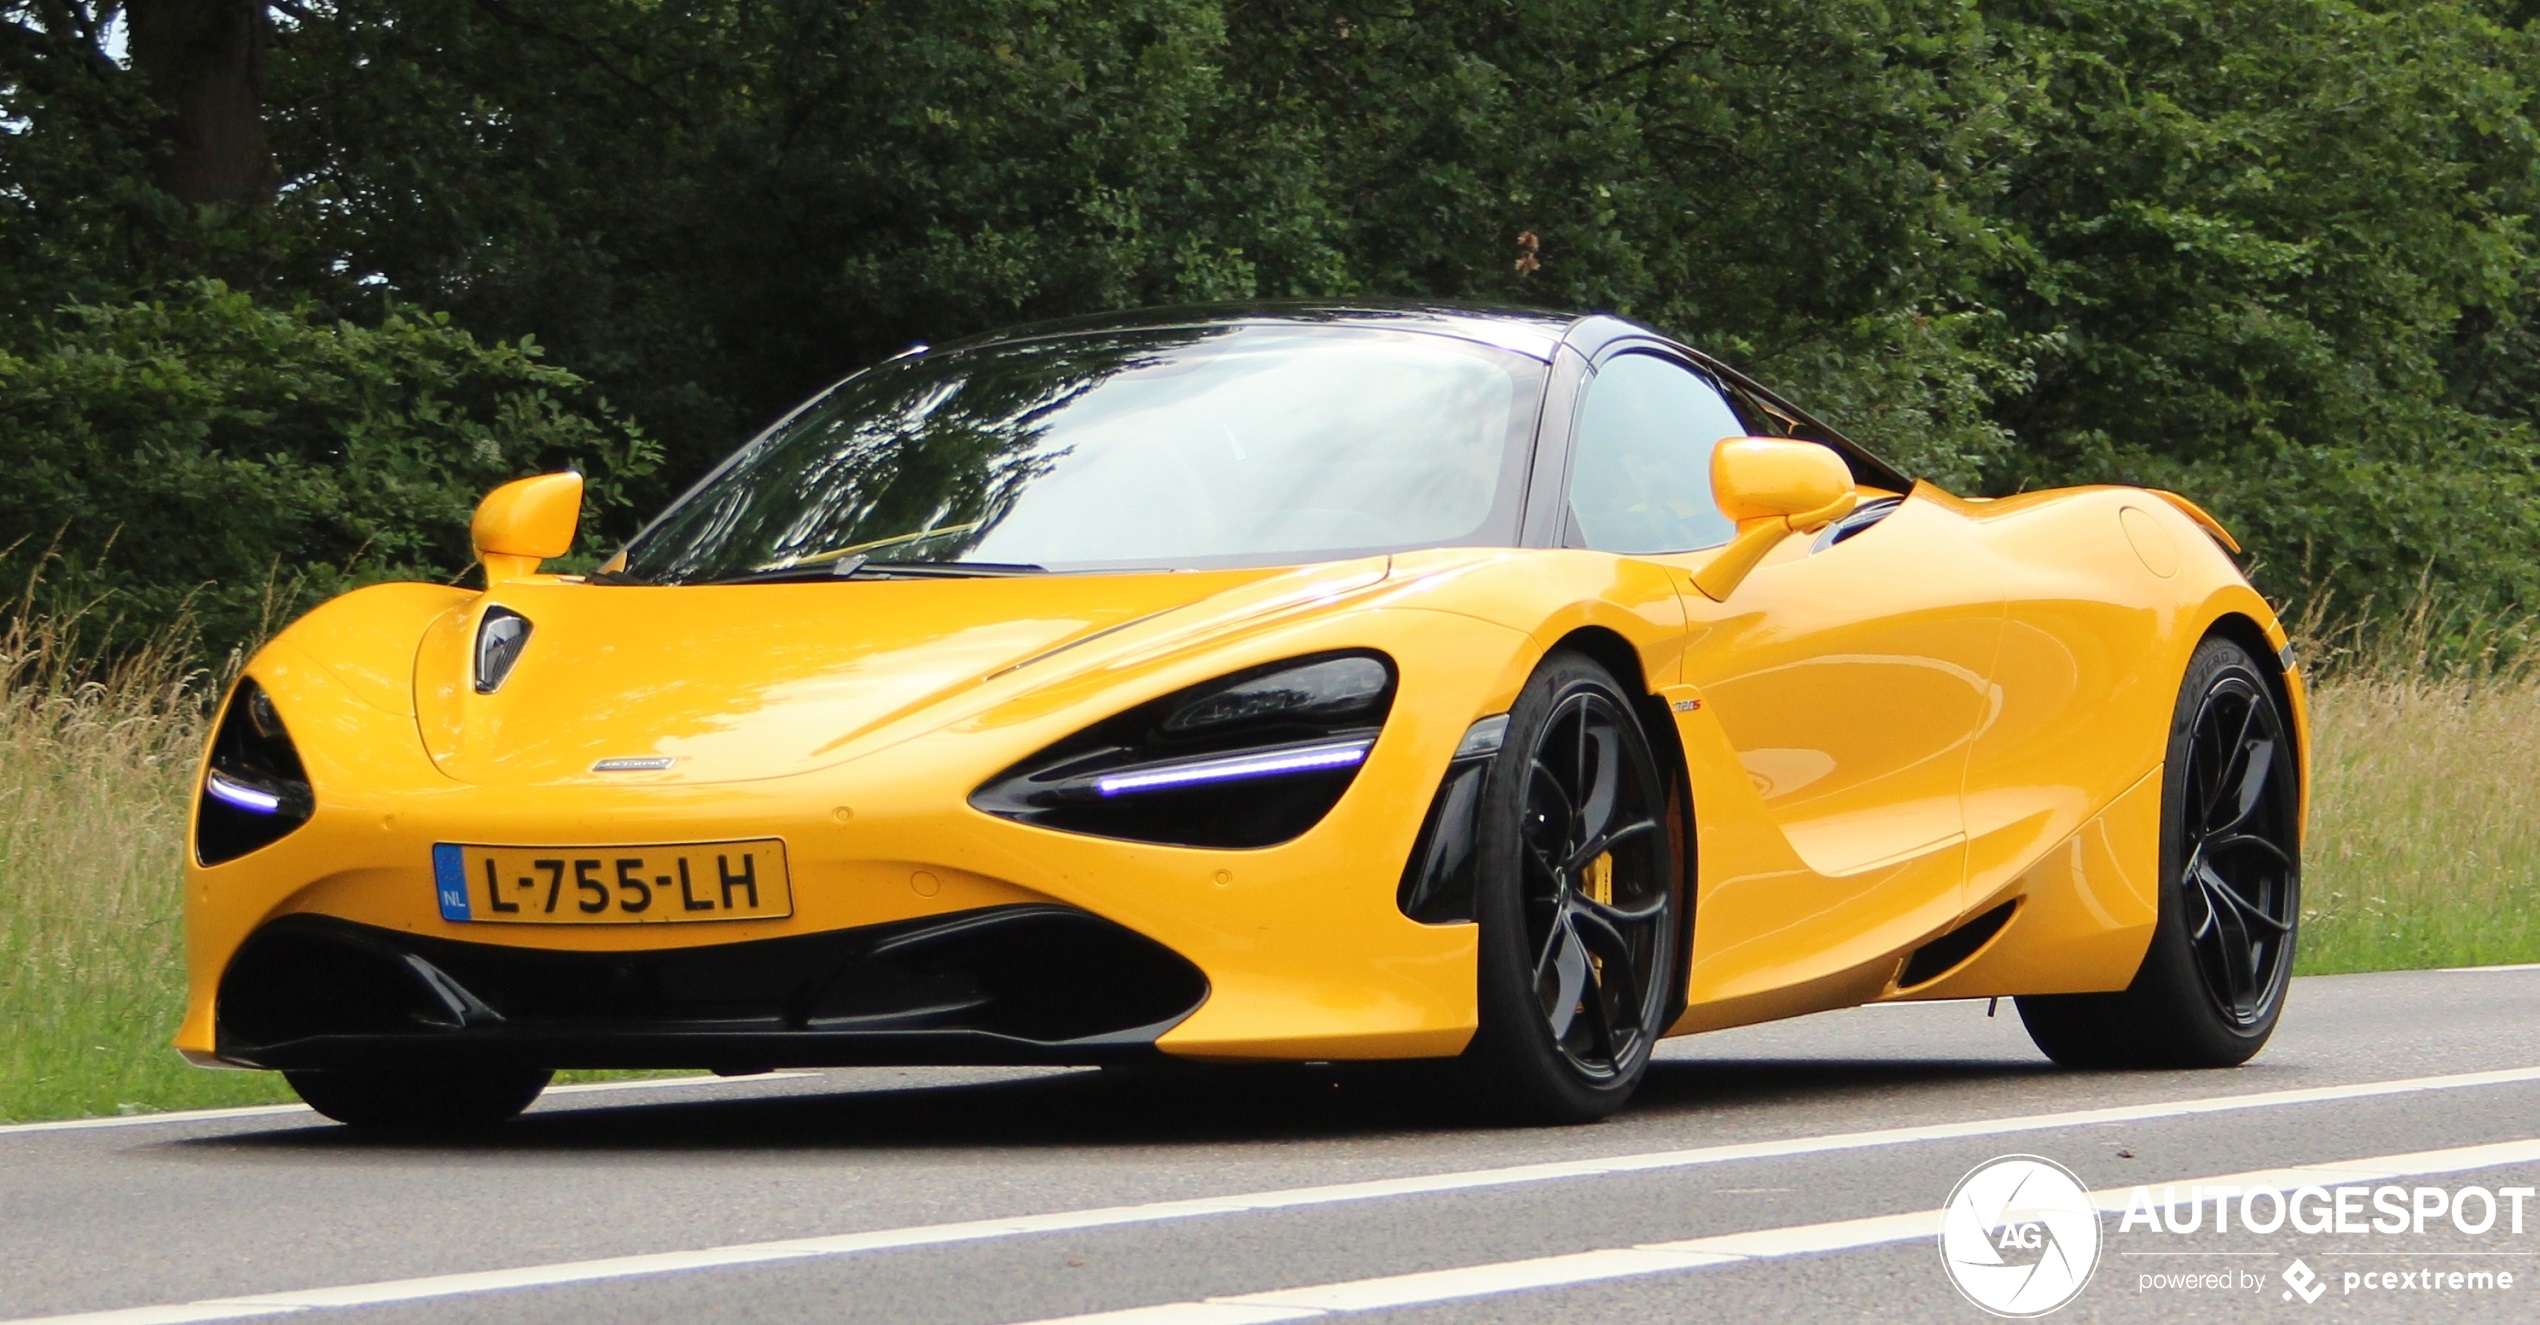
(1785,1172)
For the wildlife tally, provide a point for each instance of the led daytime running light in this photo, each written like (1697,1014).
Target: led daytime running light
(1338,754)
(233,792)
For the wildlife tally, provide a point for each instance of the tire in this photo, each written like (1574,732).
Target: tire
(2213,979)
(1579,946)
(418,1101)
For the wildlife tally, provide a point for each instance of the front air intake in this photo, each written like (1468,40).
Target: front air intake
(1010,984)
(254,790)
(1439,883)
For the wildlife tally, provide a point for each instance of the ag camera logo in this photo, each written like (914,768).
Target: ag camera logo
(2020,1236)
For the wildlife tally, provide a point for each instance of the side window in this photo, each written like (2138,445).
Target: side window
(1640,472)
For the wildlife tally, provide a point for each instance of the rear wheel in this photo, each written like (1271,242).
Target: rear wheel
(1578,902)
(421,1101)
(2213,980)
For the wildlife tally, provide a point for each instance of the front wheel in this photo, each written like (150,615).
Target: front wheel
(1578,901)
(2213,980)
(405,1100)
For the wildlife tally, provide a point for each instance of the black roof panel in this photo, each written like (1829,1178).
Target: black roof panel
(1533,331)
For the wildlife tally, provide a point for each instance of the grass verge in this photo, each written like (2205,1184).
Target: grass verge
(93,778)
(2425,825)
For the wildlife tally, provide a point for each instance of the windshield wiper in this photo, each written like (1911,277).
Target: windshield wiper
(939,570)
(859,568)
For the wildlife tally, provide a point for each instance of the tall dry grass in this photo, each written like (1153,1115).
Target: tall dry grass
(2424,846)
(94,767)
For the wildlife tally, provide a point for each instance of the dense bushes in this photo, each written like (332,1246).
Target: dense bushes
(2279,254)
(2276,253)
(200,456)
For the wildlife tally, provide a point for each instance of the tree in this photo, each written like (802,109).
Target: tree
(2276,253)
(204,62)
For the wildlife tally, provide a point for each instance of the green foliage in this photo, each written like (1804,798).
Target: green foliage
(2280,259)
(715,209)
(201,455)
(2277,254)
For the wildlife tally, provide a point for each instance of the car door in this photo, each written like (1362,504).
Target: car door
(1844,680)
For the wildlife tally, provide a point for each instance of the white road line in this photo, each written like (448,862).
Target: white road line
(278,1110)
(1651,1258)
(981,1230)
(2487,970)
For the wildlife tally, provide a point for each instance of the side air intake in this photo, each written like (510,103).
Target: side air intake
(1951,950)
(255,793)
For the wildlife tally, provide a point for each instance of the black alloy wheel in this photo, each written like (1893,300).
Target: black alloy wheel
(1579,901)
(2214,976)
(2239,880)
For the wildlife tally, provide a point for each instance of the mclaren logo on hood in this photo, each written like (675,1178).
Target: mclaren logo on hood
(634,764)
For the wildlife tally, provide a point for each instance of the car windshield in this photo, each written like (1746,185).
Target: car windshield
(1249,444)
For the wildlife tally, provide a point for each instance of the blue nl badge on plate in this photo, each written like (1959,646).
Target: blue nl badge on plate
(449,878)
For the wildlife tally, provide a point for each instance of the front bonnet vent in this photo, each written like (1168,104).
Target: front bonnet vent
(499,639)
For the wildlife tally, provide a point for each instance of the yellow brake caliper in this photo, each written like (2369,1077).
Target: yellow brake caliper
(1600,886)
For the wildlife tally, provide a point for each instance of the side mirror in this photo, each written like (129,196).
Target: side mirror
(1772,487)
(525,522)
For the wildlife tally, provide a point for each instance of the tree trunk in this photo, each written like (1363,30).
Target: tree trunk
(204,62)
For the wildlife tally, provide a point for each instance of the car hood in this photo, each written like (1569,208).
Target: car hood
(741,682)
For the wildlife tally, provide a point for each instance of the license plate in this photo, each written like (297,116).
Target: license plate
(627,885)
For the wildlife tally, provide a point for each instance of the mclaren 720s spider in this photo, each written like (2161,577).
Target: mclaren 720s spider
(1257,684)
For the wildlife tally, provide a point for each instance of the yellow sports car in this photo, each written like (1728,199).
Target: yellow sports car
(1287,683)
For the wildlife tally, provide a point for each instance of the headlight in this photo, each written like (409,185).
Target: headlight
(1248,760)
(255,791)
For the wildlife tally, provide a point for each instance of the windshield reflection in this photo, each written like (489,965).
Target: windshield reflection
(1229,445)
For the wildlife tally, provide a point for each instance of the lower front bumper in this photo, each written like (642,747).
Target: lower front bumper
(1010,984)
